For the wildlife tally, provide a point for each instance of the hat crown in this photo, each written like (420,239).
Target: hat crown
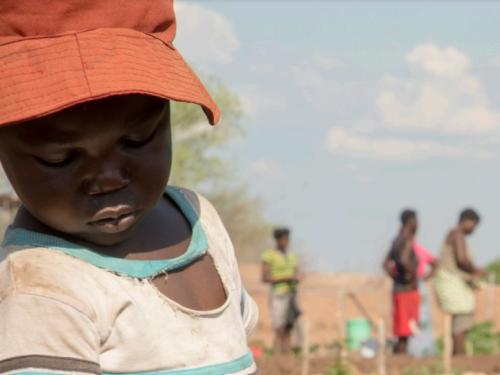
(32,18)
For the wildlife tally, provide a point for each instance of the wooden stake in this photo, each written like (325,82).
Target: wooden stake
(447,343)
(305,348)
(491,297)
(381,365)
(340,315)
(341,323)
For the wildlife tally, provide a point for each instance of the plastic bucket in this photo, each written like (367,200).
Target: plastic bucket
(358,331)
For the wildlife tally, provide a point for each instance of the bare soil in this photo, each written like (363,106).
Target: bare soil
(396,365)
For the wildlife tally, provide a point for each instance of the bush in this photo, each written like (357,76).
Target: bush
(494,268)
(482,339)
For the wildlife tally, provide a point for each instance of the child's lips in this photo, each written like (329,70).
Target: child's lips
(115,219)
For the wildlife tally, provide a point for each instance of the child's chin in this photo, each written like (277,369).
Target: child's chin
(103,238)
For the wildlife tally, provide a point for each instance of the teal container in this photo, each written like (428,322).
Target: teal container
(358,331)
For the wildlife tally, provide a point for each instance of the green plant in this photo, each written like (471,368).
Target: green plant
(314,348)
(268,351)
(494,267)
(439,346)
(432,369)
(482,339)
(296,351)
(339,368)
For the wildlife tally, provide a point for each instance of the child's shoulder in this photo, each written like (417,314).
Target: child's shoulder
(203,208)
(197,201)
(50,274)
(269,255)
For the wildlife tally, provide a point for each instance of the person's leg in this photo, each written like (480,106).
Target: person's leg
(461,324)
(279,322)
(403,306)
(281,351)
(277,342)
(402,345)
(459,343)
(287,341)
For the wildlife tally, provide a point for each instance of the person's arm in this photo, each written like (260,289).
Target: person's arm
(269,279)
(463,261)
(434,263)
(266,273)
(406,259)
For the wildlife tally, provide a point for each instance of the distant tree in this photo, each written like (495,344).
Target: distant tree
(199,163)
(243,216)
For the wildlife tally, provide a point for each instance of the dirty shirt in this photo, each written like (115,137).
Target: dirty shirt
(65,309)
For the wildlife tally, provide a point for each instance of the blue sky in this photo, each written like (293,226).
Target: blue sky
(355,110)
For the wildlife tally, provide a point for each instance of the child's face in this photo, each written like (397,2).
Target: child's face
(282,242)
(94,170)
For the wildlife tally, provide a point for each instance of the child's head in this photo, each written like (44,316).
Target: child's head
(84,110)
(409,221)
(282,238)
(75,169)
(468,220)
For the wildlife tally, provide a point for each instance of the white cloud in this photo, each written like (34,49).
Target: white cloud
(340,141)
(441,95)
(439,61)
(204,35)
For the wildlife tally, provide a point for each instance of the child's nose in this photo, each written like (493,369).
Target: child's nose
(107,180)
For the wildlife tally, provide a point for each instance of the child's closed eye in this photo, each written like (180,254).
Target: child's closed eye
(57,161)
(139,141)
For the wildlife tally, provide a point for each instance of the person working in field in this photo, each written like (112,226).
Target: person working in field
(457,277)
(280,269)
(401,265)
(108,269)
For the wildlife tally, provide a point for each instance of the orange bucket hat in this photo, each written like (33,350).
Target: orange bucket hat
(58,53)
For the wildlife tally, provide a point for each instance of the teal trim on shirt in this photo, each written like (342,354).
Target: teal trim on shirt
(235,365)
(133,268)
(243,296)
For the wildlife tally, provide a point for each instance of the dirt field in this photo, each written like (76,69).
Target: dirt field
(396,365)
(326,303)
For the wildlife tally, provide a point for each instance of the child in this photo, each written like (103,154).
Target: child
(280,269)
(105,270)
(456,277)
(401,265)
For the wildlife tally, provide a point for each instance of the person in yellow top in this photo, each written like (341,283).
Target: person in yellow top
(280,270)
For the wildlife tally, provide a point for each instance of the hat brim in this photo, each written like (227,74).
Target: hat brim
(40,76)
